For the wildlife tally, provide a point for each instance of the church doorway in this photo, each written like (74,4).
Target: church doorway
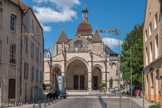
(96,78)
(56,72)
(77,76)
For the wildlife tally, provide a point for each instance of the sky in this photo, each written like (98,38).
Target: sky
(54,15)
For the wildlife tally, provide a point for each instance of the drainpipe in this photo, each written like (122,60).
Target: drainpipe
(21,57)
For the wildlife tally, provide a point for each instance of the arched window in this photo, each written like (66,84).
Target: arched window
(78,45)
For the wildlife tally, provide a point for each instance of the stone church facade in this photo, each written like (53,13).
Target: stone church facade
(84,61)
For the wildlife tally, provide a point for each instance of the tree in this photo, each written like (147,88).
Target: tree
(133,41)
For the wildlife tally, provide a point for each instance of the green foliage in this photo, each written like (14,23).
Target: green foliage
(102,85)
(133,41)
(124,93)
(154,106)
(47,85)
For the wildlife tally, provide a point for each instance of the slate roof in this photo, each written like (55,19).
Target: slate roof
(108,50)
(96,38)
(62,38)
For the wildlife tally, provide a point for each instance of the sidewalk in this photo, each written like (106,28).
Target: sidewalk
(139,101)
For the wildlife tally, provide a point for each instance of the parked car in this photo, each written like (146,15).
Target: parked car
(116,88)
(52,94)
(62,93)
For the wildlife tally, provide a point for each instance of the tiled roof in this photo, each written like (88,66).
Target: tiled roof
(84,28)
(62,38)
(96,38)
(23,6)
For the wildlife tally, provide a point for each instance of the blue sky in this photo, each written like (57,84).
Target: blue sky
(55,15)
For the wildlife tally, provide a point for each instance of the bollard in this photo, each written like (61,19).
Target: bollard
(45,103)
(48,102)
(39,104)
(59,98)
(33,105)
(52,100)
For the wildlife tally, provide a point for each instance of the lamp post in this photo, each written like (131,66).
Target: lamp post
(116,32)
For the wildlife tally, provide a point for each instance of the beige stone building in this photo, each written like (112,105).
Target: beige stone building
(153,51)
(84,61)
(21,53)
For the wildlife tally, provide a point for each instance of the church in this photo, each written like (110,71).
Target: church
(84,61)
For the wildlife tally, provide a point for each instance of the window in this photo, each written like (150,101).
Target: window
(40,58)
(37,55)
(32,50)
(146,56)
(12,53)
(145,35)
(0,51)
(32,26)
(40,76)
(155,21)
(37,76)
(31,94)
(0,17)
(150,29)
(150,11)
(13,23)
(78,45)
(156,47)
(150,52)
(25,70)
(26,45)
(32,73)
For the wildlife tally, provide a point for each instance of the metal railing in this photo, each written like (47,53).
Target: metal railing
(46,102)
(102,102)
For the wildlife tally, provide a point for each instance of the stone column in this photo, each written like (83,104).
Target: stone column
(89,81)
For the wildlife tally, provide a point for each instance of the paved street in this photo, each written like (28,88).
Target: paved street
(92,102)
(77,103)
(114,103)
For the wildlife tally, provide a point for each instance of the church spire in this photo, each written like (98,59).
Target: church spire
(85,12)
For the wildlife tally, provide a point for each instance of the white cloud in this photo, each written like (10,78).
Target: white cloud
(62,13)
(111,42)
(61,3)
(48,15)
(46,28)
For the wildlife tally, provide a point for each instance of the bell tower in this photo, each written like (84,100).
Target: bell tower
(85,12)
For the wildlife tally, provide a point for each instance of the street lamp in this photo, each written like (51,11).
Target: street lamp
(116,32)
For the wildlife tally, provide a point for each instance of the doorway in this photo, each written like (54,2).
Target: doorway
(82,82)
(75,82)
(95,82)
(11,94)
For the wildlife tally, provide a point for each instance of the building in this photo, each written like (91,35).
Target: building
(21,53)
(84,61)
(152,45)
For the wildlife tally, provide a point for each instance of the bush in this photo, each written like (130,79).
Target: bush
(102,85)
(124,93)
(154,106)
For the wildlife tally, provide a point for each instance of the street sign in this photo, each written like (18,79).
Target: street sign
(159,77)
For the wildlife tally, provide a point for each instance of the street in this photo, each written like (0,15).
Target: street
(77,103)
(91,102)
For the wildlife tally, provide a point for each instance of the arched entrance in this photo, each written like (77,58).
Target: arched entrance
(96,78)
(77,76)
(55,72)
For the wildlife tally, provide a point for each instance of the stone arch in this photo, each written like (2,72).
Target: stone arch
(99,66)
(96,77)
(77,58)
(77,74)
(56,71)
